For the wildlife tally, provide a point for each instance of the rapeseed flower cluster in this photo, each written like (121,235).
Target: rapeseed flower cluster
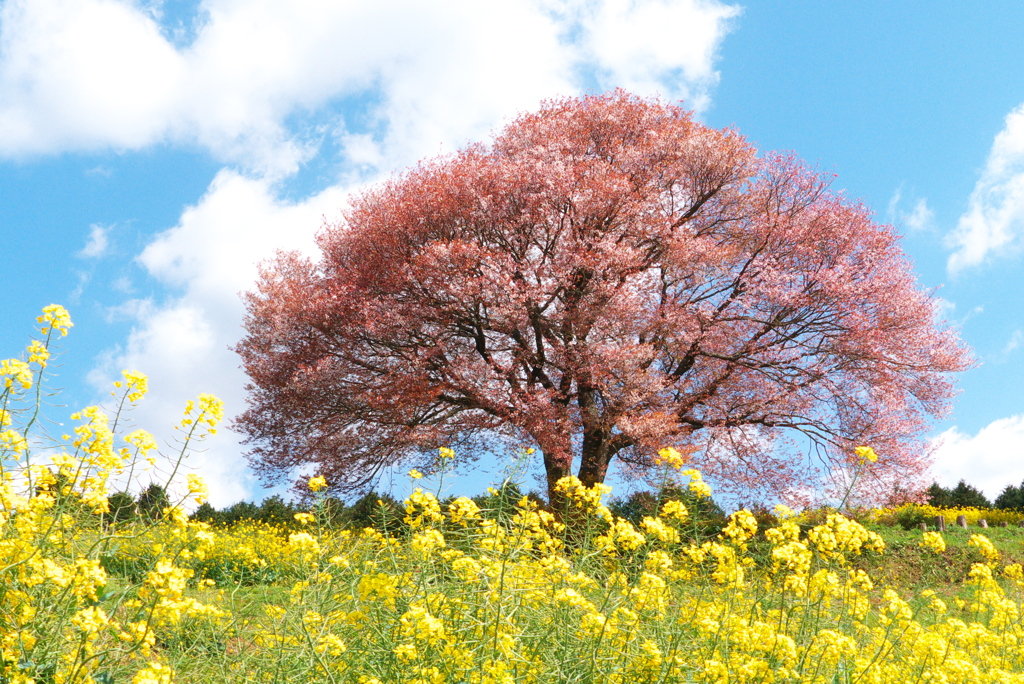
(62,618)
(670,457)
(934,542)
(697,485)
(137,384)
(461,597)
(15,371)
(453,592)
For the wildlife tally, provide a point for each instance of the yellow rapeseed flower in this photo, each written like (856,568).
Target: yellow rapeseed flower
(659,530)
(138,384)
(580,496)
(463,510)
(38,353)
(427,541)
(10,440)
(197,487)
(782,511)
(621,535)
(90,620)
(985,546)
(866,453)
(143,442)
(154,673)
(741,527)
(421,625)
(670,457)
(933,541)
(13,370)
(210,412)
(422,507)
(406,652)
(317,483)
(331,645)
(55,317)
(675,510)
(303,544)
(697,484)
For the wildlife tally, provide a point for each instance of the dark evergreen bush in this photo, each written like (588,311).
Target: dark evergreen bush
(152,502)
(961,496)
(706,517)
(1011,498)
(121,507)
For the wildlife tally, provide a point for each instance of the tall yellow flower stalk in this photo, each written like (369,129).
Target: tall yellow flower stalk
(62,619)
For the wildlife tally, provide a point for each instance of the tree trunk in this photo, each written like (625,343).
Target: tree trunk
(556,468)
(594,467)
(596,452)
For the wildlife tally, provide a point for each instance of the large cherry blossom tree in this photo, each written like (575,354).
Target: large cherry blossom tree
(606,278)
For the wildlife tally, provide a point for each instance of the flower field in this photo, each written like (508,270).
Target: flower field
(916,513)
(457,593)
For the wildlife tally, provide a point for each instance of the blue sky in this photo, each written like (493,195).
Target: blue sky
(152,152)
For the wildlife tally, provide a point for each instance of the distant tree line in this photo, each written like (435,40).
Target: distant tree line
(385,512)
(153,500)
(964,495)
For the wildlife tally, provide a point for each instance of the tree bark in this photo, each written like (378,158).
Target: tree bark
(593,470)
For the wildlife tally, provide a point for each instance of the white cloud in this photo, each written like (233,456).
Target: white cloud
(918,219)
(989,460)
(995,214)
(97,74)
(641,45)
(97,242)
(81,74)
(183,344)
(1012,344)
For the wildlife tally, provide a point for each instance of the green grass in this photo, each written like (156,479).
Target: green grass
(908,566)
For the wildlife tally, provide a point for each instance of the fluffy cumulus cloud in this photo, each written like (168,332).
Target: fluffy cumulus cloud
(266,86)
(89,74)
(658,46)
(994,219)
(79,74)
(989,460)
(183,343)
